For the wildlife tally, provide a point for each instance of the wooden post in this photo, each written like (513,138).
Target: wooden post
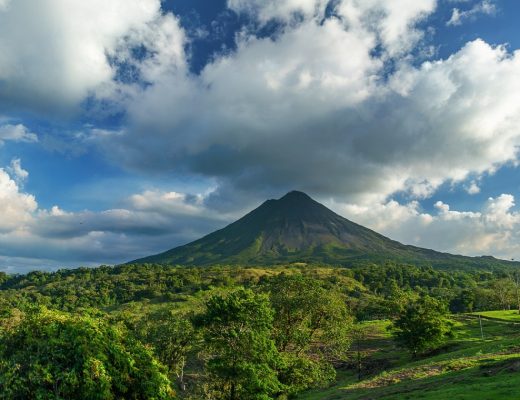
(481,331)
(358,360)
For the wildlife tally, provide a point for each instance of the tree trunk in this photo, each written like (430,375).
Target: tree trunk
(181,375)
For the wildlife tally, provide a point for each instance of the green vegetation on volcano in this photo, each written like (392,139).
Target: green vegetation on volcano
(296,228)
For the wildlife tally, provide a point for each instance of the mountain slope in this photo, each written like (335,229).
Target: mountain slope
(296,228)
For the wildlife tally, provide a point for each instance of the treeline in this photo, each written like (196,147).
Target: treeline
(225,332)
(367,286)
(237,343)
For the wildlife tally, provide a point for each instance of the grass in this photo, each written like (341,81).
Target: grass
(465,368)
(504,315)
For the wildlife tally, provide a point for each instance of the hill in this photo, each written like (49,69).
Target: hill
(296,228)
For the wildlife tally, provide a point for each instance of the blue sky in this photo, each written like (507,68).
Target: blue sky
(127,128)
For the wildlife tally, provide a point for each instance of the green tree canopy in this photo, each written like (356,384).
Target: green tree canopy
(174,339)
(56,355)
(242,357)
(312,328)
(423,325)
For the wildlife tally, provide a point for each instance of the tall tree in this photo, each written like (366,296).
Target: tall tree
(503,291)
(311,329)
(174,339)
(242,357)
(515,279)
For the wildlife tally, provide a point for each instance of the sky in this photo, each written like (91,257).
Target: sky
(128,127)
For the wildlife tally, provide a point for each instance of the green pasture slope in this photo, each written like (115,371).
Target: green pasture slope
(502,315)
(466,368)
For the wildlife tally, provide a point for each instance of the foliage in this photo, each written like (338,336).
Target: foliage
(503,292)
(312,328)
(55,355)
(307,314)
(312,311)
(423,325)
(242,356)
(299,372)
(174,339)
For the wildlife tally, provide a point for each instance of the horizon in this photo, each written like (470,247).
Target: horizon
(129,128)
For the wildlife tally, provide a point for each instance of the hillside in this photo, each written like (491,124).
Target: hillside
(296,228)
(468,367)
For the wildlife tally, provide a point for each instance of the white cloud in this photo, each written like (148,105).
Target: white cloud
(56,53)
(16,133)
(486,7)
(271,94)
(299,110)
(473,188)
(283,10)
(391,22)
(16,207)
(16,171)
(394,22)
(493,230)
(316,106)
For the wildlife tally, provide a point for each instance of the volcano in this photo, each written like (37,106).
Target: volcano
(296,228)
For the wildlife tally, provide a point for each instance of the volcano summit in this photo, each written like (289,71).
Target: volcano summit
(296,228)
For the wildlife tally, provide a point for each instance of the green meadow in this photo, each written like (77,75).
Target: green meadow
(466,367)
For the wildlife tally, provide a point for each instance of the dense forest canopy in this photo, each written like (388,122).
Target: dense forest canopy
(225,332)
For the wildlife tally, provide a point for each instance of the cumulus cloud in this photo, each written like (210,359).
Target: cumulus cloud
(16,207)
(472,188)
(283,10)
(332,103)
(392,23)
(493,230)
(55,54)
(299,110)
(16,133)
(486,7)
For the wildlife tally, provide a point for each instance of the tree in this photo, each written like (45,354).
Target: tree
(56,355)
(360,333)
(174,338)
(463,301)
(515,279)
(503,291)
(309,318)
(311,329)
(242,356)
(423,325)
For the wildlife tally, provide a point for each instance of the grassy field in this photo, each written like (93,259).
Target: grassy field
(465,368)
(505,315)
